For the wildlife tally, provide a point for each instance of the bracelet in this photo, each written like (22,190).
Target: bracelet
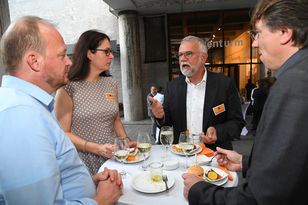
(128,139)
(84,146)
(122,138)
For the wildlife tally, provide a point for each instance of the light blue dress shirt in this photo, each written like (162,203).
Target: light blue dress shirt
(38,162)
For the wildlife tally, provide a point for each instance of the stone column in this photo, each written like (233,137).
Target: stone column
(4,22)
(130,65)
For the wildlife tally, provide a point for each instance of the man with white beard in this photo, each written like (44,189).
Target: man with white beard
(200,101)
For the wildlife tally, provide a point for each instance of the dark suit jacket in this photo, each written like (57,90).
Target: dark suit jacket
(219,90)
(259,96)
(150,114)
(277,170)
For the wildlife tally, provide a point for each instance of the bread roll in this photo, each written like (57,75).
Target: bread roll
(197,170)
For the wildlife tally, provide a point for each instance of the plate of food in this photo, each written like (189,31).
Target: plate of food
(212,175)
(176,149)
(142,182)
(215,175)
(134,157)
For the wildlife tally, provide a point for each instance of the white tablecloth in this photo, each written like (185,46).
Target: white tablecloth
(173,196)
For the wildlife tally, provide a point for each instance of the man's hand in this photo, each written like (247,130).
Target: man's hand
(229,159)
(189,181)
(210,137)
(157,108)
(108,192)
(110,174)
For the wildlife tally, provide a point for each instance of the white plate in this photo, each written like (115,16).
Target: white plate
(201,159)
(143,183)
(138,156)
(218,182)
(195,151)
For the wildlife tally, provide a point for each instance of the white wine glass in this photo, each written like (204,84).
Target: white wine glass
(144,145)
(121,152)
(185,145)
(166,137)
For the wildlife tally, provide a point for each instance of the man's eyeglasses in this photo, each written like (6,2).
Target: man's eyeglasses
(187,54)
(253,34)
(107,51)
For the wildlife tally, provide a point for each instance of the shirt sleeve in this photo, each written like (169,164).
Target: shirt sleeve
(29,171)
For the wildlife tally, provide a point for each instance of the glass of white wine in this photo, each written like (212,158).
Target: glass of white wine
(144,145)
(185,145)
(121,152)
(166,137)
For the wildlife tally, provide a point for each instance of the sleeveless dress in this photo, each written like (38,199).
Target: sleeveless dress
(94,112)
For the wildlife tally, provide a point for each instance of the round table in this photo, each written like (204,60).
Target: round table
(173,196)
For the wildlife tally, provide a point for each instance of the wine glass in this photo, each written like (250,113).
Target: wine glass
(144,145)
(121,152)
(166,137)
(185,145)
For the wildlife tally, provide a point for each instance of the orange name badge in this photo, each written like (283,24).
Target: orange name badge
(219,109)
(110,96)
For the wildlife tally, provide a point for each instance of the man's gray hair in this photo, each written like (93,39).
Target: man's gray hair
(202,44)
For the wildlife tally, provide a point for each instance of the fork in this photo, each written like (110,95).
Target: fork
(211,159)
(165,179)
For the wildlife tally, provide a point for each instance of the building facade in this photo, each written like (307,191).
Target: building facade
(147,35)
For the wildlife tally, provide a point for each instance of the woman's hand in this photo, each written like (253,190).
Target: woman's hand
(106,150)
(132,144)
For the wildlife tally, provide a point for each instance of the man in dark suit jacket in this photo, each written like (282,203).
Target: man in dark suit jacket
(218,104)
(153,92)
(276,171)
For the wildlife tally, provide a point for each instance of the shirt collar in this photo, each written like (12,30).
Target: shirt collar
(203,79)
(30,89)
(293,59)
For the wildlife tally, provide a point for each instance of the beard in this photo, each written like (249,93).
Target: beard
(193,69)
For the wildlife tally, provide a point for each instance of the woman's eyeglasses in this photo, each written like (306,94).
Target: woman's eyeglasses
(107,51)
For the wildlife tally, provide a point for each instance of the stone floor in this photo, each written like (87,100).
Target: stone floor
(242,146)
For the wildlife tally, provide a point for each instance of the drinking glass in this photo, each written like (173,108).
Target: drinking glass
(121,152)
(185,145)
(166,137)
(144,145)
(195,138)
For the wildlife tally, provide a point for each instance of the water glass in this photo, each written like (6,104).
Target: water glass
(156,171)
(195,138)
(166,137)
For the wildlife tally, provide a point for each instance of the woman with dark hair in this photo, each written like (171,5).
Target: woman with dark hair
(87,108)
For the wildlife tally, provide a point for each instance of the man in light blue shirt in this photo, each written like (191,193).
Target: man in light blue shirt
(39,164)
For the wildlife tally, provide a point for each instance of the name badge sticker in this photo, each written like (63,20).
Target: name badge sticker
(110,96)
(219,109)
